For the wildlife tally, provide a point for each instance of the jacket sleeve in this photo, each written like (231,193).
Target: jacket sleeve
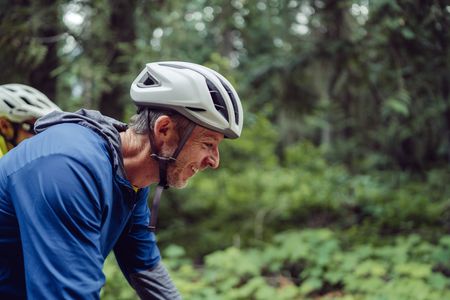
(154,284)
(139,258)
(59,217)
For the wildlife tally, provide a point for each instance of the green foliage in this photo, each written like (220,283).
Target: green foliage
(306,264)
(116,286)
(23,46)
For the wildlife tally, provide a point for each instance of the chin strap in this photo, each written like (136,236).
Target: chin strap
(163,162)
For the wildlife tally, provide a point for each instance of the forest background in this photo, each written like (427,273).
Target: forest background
(338,187)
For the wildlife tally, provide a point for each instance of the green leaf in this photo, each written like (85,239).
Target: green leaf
(310,285)
(398,106)
(412,269)
(408,33)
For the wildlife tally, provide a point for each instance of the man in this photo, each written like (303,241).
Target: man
(20,106)
(81,190)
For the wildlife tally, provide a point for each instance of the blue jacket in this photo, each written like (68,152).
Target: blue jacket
(64,205)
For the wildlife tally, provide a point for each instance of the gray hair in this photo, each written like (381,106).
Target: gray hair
(139,122)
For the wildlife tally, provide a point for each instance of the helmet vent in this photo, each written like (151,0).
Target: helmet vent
(26,100)
(195,108)
(43,103)
(219,102)
(29,91)
(147,81)
(233,101)
(8,103)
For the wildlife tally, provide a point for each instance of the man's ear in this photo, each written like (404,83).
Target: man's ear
(165,132)
(6,128)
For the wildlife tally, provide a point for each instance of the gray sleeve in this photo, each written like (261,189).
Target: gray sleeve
(154,284)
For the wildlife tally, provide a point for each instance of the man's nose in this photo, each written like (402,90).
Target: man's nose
(213,159)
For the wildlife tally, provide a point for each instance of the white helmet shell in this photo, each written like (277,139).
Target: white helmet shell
(19,102)
(197,92)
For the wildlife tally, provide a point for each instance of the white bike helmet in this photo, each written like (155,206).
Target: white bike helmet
(20,102)
(197,92)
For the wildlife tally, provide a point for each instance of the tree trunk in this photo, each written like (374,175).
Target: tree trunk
(48,33)
(121,24)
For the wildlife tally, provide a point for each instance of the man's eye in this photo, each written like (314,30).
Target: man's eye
(208,145)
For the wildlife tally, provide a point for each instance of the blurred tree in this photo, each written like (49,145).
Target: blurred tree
(30,33)
(120,43)
(354,76)
(48,31)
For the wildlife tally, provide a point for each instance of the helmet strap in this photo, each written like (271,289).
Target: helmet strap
(163,163)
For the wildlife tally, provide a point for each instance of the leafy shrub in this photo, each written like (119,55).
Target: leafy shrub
(312,263)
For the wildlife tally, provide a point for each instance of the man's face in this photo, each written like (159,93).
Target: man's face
(200,152)
(19,133)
